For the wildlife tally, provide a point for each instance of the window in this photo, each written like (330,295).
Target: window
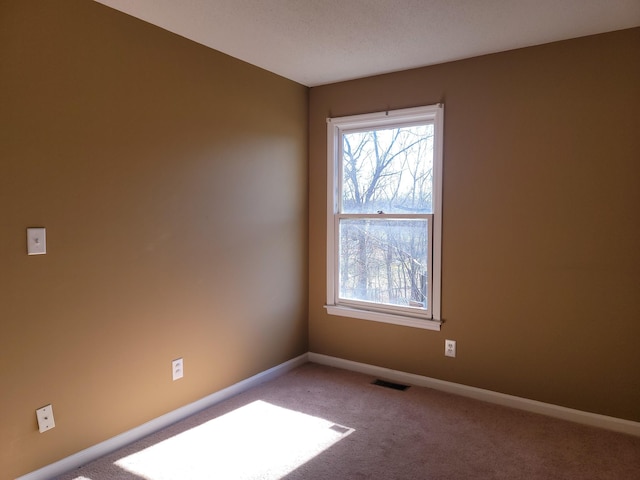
(384,216)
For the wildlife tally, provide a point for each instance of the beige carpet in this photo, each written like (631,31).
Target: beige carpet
(318,422)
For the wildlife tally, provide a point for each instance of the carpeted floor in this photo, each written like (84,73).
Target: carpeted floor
(317,422)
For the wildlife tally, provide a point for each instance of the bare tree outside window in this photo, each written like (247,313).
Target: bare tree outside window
(386,186)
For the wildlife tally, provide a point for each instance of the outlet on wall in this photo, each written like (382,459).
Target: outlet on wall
(450,348)
(178,368)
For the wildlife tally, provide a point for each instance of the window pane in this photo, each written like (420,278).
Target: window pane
(384,261)
(388,170)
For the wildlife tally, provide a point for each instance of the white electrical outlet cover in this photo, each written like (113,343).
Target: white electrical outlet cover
(36,241)
(178,368)
(450,348)
(45,418)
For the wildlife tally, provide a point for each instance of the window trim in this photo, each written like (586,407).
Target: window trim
(335,127)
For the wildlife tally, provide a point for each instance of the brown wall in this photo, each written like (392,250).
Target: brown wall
(172,181)
(541,237)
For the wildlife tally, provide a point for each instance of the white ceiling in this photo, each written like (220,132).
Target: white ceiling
(315,42)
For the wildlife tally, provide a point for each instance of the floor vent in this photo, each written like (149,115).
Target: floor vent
(339,429)
(395,386)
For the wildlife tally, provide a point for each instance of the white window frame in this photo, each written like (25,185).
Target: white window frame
(335,128)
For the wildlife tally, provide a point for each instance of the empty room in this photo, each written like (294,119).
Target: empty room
(319,239)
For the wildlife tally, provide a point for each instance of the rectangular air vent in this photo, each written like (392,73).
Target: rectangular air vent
(395,386)
(339,429)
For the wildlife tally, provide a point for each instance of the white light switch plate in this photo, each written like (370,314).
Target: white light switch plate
(36,241)
(45,418)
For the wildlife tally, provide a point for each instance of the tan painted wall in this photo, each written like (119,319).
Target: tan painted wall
(541,262)
(172,181)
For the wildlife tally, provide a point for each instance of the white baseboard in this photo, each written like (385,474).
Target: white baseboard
(548,409)
(104,448)
(92,453)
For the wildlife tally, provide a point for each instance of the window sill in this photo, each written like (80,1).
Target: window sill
(383,317)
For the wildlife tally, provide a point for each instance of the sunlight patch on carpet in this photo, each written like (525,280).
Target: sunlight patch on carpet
(259,440)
